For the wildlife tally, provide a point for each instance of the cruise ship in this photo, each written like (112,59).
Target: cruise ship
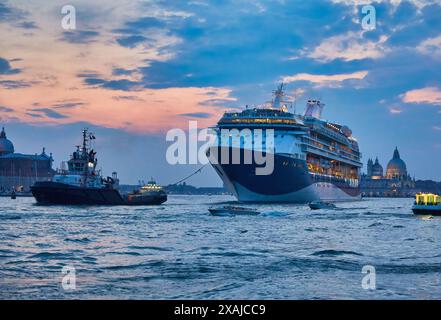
(312,159)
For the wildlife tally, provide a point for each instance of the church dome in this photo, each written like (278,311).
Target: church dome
(6,145)
(396,168)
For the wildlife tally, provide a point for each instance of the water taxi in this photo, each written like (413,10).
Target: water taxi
(427,204)
(317,205)
(232,210)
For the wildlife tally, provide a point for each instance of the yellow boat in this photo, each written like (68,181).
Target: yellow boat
(427,204)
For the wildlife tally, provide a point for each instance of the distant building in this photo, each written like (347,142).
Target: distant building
(395,183)
(19,171)
(184,188)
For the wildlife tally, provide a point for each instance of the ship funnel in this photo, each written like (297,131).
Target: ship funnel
(314,109)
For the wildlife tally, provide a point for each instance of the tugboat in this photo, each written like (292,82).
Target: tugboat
(151,192)
(427,204)
(82,183)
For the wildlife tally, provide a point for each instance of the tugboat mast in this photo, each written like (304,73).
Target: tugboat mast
(84,140)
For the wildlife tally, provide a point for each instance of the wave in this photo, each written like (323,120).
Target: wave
(334,253)
(79,240)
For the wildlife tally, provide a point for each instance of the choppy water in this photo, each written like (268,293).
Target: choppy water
(179,251)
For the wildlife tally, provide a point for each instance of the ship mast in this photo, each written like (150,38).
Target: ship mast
(84,141)
(279,102)
(278,95)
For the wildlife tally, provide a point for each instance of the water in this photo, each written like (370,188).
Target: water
(179,251)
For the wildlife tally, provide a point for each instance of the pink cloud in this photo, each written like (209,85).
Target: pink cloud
(148,111)
(427,95)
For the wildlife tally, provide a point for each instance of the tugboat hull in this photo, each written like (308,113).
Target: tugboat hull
(139,200)
(63,194)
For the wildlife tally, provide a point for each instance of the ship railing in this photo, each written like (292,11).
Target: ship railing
(330,178)
(319,151)
(317,143)
(260,120)
(62,171)
(351,151)
(331,134)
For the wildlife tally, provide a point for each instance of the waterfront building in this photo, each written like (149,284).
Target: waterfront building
(396,182)
(19,171)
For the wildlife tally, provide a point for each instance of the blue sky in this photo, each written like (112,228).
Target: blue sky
(134,69)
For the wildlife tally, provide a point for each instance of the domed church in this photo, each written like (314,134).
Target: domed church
(19,171)
(396,168)
(396,183)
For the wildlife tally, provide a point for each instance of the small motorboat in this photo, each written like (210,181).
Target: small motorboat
(317,205)
(232,210)
(427,204)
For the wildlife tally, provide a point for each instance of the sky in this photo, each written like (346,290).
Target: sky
(132,70)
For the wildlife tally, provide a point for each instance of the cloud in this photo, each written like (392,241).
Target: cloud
(28,25)
(325,79)
(203,115)
(34,115)
(141,24)
(9,14)
(88,74)
(48,113)
(5,67)
(127,98)
(394,110)
(122,84)
(122,72)
(131,41)
(215,102)
(68,104)
(5,109)
(348,47)
(80,36)
(427,95)
(418,3)
(431,47)
(14,84)
(437,128)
